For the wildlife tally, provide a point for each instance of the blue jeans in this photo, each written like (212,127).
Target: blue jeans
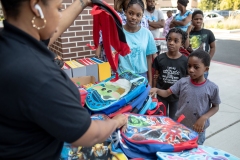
(201,138)
(205,75)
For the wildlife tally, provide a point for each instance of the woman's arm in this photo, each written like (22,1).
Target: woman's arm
(99,131)
(149,63)
(68,17)
(184,22)
(158,24)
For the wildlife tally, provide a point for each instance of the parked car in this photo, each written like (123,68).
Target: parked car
(224,13)
(212,17)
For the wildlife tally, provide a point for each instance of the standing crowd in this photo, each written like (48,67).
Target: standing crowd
(40,110)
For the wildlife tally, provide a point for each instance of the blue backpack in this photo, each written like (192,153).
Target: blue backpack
(105,97)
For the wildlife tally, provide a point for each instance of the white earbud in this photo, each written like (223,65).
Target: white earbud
(37,7)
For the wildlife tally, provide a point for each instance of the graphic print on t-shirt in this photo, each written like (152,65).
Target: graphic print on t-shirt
(198,41)
(152,18)
(170,75)
(135,51)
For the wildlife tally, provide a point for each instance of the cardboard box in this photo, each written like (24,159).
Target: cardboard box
(84,80)
(77,68)
(67,70)
(91,67)
(104,69)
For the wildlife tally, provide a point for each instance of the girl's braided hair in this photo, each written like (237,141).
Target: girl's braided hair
(132,2)
(178,30)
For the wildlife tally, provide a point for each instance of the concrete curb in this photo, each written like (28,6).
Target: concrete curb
(225,31)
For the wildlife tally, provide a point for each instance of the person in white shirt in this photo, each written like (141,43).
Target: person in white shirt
(155,20)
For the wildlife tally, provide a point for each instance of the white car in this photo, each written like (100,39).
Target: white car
(212,17)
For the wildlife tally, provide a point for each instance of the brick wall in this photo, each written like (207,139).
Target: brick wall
(72,43)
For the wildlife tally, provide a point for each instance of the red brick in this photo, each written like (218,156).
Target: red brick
(81,23)
(76,39)
(68,34)
(86,17)
(83,53)
(83,43)
(86,38)
(79,17)
(69,45)
(77,49)
(90,56)
(88,27)
(64,40)
(75,28)
(75,58)
(69,55)
(66,50)
(82,33)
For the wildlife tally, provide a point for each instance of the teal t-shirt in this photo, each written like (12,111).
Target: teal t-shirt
(178,17)
(141,44)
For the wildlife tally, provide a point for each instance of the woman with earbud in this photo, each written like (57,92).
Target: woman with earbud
(40,106)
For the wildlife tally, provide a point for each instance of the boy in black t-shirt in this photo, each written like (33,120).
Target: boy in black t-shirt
(170,67)
(200,38)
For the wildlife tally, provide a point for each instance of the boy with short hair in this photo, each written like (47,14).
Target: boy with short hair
(200,38)
(198,97)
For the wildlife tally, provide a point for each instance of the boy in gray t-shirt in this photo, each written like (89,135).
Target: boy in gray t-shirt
(198,97)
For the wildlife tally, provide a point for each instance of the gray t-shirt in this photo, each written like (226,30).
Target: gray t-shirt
(154,17)
(194,100)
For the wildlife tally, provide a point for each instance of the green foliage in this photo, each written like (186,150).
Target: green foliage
(207,5)
(236,5)
(226,4)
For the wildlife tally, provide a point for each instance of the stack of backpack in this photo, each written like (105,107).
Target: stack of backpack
(101,151)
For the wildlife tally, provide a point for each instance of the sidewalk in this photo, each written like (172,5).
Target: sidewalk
(225,31)
(224,129)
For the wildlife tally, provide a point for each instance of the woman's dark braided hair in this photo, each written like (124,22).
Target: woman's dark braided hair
(178,30)
(132,2)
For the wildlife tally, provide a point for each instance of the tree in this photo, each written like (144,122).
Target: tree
(208,4)
(226,4)
(236,5)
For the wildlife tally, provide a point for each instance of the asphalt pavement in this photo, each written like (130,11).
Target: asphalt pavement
(227,48)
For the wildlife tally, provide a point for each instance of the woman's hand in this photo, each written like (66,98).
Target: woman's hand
(121,120)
